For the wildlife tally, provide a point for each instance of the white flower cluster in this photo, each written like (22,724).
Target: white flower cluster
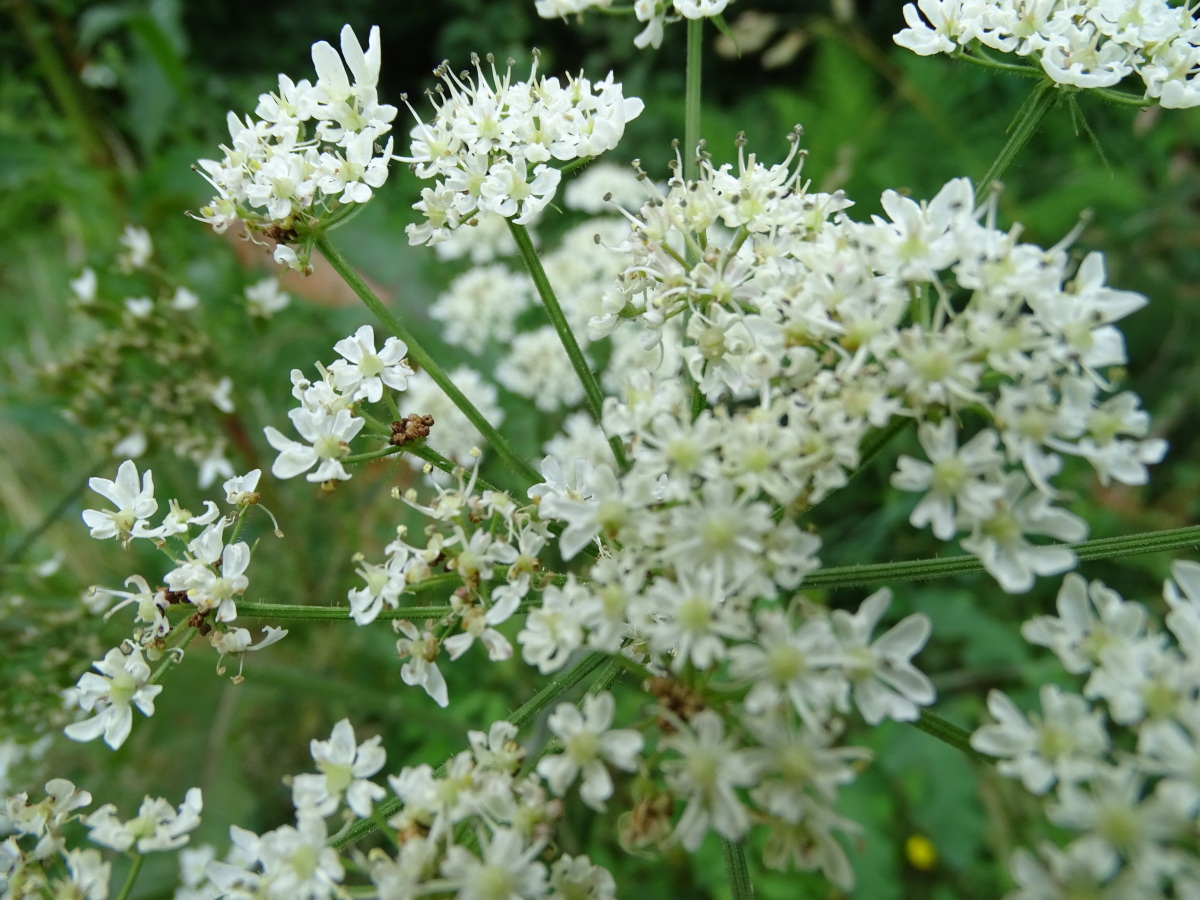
(1084,43)
(52,869)
(472,827)
(808,331)
(684,587)
(1130,809)
(325,417)
(313,150)
(655,13)
(490,145)
(490,544)
(210,575)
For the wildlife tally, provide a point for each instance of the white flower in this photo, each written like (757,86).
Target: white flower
(794,665)
(151,605)
(84,287)
(886,684)
(577,878)
(44,819)
(89,875)
(264,298)
(554,630)
(421,648)
(236,642)
(329,439)
(241,490)
(345,768)
(507,868)
(587,745)
(1061,745)
(124,680)
(999,540)
(215,575)
(362,373)
(134,505)
(710,767)
(297,862)
(157,825)
(960,481)
(137,245)
(1091,618)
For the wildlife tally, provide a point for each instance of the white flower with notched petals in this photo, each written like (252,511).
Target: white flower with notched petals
(124,681)
(587,743)
(362,372)
(345,767)
(886,684)
(157,826)
(1063,744)
(959,481)
(505,860)
(999,540)
(134,505)
(215,575)
(709,768)
(329,437)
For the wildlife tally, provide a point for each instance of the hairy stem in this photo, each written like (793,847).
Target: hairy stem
(421,358)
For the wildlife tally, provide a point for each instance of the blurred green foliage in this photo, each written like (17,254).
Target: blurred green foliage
(103,108)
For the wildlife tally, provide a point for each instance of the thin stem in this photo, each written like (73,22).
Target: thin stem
(591,387)
(293,612)
(418,355)
(948,733)
(1022,128)
(134,870)
(691,97)
(945,567)
(979,58)
(736,870)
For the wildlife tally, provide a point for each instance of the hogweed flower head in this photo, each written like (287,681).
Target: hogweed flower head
(1079,43)
(492,142)
(308,155)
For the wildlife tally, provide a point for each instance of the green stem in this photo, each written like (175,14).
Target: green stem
(134,870)
(948,733)
(417,354)
(1022,128)
(294,613)
(979,58)
(736,870)
(945,567)
(591,387)
(520,717)
(180,636)
(691,97)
